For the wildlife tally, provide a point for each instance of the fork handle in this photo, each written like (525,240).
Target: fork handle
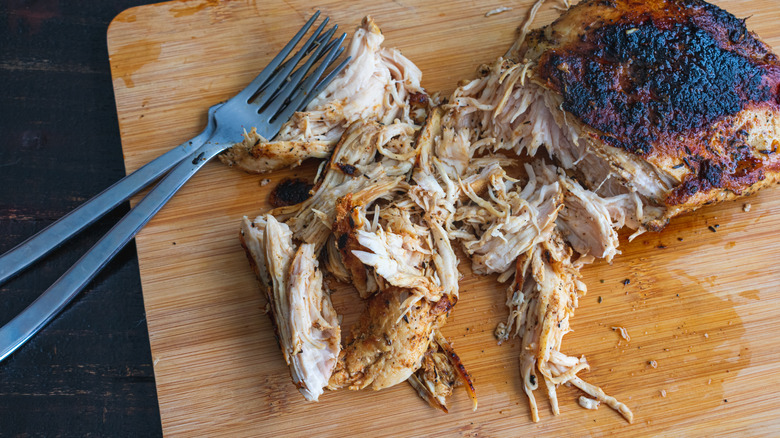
(16,332)
(72,223)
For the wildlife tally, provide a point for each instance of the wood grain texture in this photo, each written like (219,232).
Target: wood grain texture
(701,304)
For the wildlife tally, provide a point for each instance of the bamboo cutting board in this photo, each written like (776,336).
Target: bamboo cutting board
(703,305)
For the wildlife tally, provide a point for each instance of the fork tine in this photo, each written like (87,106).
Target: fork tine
(300,102)
(265,95)
(324,43)
(282,96)
(317,43)
(307,94)
(271,68)
(306,91)
(321,47)
(328,47)
(326,81)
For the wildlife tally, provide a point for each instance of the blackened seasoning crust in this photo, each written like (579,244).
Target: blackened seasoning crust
(680,84)
(290,192)
(647,78)
(348,169)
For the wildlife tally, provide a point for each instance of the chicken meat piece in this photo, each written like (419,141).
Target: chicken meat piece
(389,341)
(584,221)
(400,259)
(403,244)
(508,222)
(351,169)
(306,323)
(342,263)
(541,301)
(441,372)
(377,84)
(673,101)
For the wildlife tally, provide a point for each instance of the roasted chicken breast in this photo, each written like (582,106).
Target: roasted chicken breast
(677,98)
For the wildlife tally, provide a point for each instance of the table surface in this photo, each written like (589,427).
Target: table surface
(88,373)
(701,303)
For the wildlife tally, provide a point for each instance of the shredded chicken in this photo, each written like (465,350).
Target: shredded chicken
(588,403)
(351,169)
(497,11)
(543,298)
(585,221)
(306,323)
(398,259)
(505,110)
(381,207)
(440,373)
(620,152)
(509,223)
(388,343)
(623,333)
(377,84)
(415,269)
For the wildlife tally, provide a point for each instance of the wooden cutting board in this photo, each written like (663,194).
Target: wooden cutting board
(702,304)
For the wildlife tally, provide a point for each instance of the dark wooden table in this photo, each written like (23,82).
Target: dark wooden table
(89,372)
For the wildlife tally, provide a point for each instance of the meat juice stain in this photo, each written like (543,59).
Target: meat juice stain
(676,324)
(128,59)
(185,9)
(752,294)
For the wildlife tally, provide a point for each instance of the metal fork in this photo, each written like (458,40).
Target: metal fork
(54,235)
(266,104)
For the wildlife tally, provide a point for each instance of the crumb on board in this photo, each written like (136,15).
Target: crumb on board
(652,363)
(623,333)
(746,207)
(497,11)
(589,403)
(265,181)
(706,336)
(663,393)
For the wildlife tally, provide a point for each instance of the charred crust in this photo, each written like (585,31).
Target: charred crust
(342,241)
(290,192)
(641,82)
(668,81)
(443,306)
(418,100)
(348,169)
(738,179)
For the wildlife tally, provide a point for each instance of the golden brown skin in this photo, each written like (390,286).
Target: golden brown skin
(345,226)
(441,371)
(386,346)
(681,84)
